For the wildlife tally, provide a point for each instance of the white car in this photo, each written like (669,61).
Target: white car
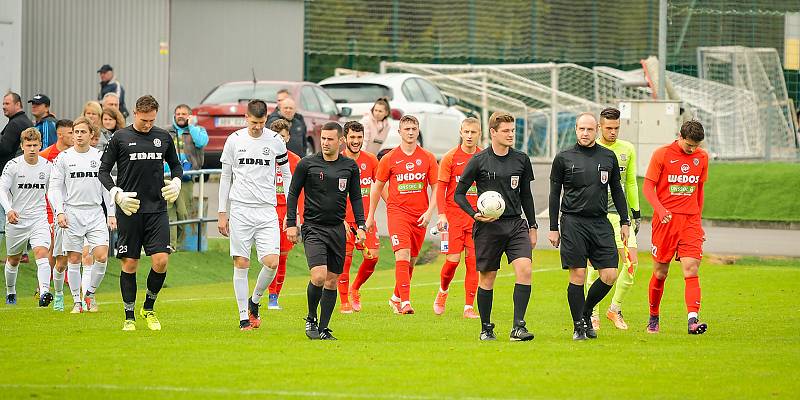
(408,94)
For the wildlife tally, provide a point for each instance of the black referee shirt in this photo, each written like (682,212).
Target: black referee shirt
(140,158)
(510,175)
(326,185)
(585,174)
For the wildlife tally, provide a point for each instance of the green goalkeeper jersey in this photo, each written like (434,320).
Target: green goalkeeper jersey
(626,156)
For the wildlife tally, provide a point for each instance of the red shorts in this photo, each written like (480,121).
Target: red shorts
(286,244)
(372,241)
(405,234)
(459,232)
(681,237)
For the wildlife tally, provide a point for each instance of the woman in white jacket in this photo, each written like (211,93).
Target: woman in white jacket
(376,125)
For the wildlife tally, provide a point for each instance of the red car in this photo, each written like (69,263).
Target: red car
(222,111)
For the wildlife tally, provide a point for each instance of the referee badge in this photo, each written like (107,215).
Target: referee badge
(514,181)
(603,177)
(342,184)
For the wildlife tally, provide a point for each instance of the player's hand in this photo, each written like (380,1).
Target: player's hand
(482,218)
(667,218)
(283,227)
(534,237)
(442,224)
(112,223)
(171,190)
(62,220)
(347,230)
(12,217)
(424,219)
(636,220)
(361,236)
(222,224)
(291,234)
(555,238)
(370,223)
(624,232)
(127,201)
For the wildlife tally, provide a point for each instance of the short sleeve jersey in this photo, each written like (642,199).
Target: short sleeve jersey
(28,186)
(367,165)
(254,161)
(77,172)
(408,177)
(677,176)
(452,167)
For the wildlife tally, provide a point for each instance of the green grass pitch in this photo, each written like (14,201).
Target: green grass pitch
(751,350)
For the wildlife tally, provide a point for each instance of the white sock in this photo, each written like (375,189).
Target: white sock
(74,275)
(43,272)
(11,278)
(442,290)
(395,298)
(58,281)
(692,315)
(240,289)
(265,277)
(468,307)
(86,278)
(405,303)
(98,272)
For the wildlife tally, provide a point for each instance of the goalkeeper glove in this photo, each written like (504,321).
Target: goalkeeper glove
(171,190)
(127,201)
(637,220)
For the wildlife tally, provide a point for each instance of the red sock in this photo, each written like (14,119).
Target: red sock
(364,272)
(402,277)
(344,280)
(277,283)
(448,272)
(656,291)
(692,294)
(470,281)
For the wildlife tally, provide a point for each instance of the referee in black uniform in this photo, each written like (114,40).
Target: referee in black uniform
(586,171)
(507,171)
(326,178)
(141,193)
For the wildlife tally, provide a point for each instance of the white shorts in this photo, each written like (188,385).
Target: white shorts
(85,227)
(253,225)
(36,232)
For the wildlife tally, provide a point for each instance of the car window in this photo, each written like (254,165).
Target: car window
(243,91)
(357,92)
(412,91)
(432,94)
(308,100)
(328,106)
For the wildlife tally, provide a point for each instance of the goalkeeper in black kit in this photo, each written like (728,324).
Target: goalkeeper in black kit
(141,193)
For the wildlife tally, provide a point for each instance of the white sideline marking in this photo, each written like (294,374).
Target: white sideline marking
(222,390)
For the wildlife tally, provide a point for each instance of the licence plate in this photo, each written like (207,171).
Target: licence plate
(229,122)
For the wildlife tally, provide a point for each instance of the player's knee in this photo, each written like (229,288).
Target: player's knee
(608,276)
(453,257)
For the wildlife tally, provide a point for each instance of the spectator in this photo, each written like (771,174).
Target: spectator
(110,100)
(110,85)
(297,131)
(112,120)
(376,125)
(9,137)
(279,96)
(44,121)
(190,139)
(94,112)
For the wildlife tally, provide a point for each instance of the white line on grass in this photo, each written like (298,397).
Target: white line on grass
(227,391)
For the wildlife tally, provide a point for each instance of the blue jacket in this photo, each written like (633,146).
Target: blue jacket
(47,127)
(189,143)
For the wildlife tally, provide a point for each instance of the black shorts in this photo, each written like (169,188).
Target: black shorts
(324,245)
(509,236)
(589,238)
(150,231)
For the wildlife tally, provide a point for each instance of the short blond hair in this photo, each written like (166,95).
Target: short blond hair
(30,134)
(95,130)
(409,119)
(470,120)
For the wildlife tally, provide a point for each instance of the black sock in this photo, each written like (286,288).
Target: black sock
(576,301)
(314,294)
(522,294)
(596,293)
(485,304)
(155,281)
(127,285)
(327,304)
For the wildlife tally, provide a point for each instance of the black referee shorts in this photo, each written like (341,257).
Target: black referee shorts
(324,245)
(492,239)
(150,231)
(589,238)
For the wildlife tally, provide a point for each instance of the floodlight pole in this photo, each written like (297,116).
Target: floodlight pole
(662,48)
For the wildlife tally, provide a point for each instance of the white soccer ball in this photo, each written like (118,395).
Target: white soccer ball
(491,204)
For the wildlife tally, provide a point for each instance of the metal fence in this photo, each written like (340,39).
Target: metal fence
(201,219)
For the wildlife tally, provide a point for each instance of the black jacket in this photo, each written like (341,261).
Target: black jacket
(113,86)
(297,132)
(9,142)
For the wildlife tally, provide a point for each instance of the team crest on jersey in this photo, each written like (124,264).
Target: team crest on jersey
(419,162)
(157,142)
(685,168)
(321,175)
(93,164)
(265,151)
(623,157)
(41,175)
(514,181)
(603,177)
(409,166)
(696,161)
(364,166)
(342,184)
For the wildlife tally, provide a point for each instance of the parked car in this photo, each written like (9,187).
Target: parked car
(222,111)
(408,94)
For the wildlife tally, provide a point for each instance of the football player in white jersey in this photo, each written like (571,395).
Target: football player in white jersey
(23,185)
(76,196)
(248,183)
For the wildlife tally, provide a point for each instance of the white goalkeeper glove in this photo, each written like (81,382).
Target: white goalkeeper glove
(127,201)
(171,190)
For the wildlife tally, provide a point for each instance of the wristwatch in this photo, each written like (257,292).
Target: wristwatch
(362,227)
(534,226)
